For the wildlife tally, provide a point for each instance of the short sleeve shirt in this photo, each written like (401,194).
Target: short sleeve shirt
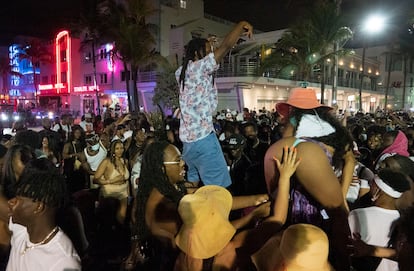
(56,255)
(198,99)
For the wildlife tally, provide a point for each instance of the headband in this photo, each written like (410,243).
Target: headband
(386,188)
(313,126)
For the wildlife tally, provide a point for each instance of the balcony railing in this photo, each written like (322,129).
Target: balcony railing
(252,69)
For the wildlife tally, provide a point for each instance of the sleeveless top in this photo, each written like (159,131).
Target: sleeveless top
(303,207)
(95,160)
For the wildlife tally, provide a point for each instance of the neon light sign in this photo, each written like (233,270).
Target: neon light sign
(68,51)
(85,88)
(51,86)
(14,63)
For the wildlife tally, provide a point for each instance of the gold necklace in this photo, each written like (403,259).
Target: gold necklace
(27,248)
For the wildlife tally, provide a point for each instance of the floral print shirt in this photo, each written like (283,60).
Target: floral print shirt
(198,99)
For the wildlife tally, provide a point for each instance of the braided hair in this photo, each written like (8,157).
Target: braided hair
(341,140)
(153,176)
(196,47)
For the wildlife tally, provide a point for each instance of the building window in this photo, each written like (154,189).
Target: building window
(63,56)
(125,76)
(53,79)
(88,79)
(45,80)
(183,4)
(63,77)
(104,78)
(102,54)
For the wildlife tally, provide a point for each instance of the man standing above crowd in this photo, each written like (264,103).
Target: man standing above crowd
(198,103)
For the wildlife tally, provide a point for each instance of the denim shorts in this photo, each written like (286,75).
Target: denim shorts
(205,161)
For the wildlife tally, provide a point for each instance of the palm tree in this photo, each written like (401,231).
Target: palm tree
(91,28)
(6,69)
(35,51)
(327,27)
(134,40)
(407,51)
(166,92)
(306,45)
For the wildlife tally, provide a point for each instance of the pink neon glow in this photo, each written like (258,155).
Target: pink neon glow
(68,60)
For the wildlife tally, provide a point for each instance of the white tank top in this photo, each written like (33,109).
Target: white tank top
(95,161)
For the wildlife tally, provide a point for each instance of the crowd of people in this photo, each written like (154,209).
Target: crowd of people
(299,187)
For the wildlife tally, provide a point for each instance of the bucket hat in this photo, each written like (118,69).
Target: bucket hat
(206,229)
(303,98)
(301,247)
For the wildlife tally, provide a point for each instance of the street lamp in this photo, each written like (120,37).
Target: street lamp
(374,24)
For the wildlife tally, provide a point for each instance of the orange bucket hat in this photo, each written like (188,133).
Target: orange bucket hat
(301,247)
(303,98)
(206,229)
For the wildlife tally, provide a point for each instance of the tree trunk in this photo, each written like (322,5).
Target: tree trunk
(134,71)
(128,89)
(323,82)
(404,81)
(95,85)
(387,88)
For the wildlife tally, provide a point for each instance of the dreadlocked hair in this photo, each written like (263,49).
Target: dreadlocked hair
(41,181)
(341,140)
(153,177)
(194,47)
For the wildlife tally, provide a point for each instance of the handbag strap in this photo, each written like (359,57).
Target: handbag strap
(74,147)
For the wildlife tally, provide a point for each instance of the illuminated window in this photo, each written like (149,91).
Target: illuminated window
(104,78)
(183,4)
(88,79)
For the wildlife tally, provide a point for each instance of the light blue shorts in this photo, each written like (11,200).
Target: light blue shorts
(205,161)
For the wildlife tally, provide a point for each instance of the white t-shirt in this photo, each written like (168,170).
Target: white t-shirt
(66,128)
(56,255)
(375,225)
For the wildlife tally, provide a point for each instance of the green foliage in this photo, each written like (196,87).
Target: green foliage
(166,91)
(157,120)
(309,42)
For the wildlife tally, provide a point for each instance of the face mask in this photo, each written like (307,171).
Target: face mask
(293,121)
(95,147)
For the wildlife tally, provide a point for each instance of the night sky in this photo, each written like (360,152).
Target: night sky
(45,17)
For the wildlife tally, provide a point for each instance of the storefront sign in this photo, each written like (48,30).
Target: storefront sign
(51,86)
(85,89)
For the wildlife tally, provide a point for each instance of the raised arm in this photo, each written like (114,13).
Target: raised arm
(242,28)
(254,239)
